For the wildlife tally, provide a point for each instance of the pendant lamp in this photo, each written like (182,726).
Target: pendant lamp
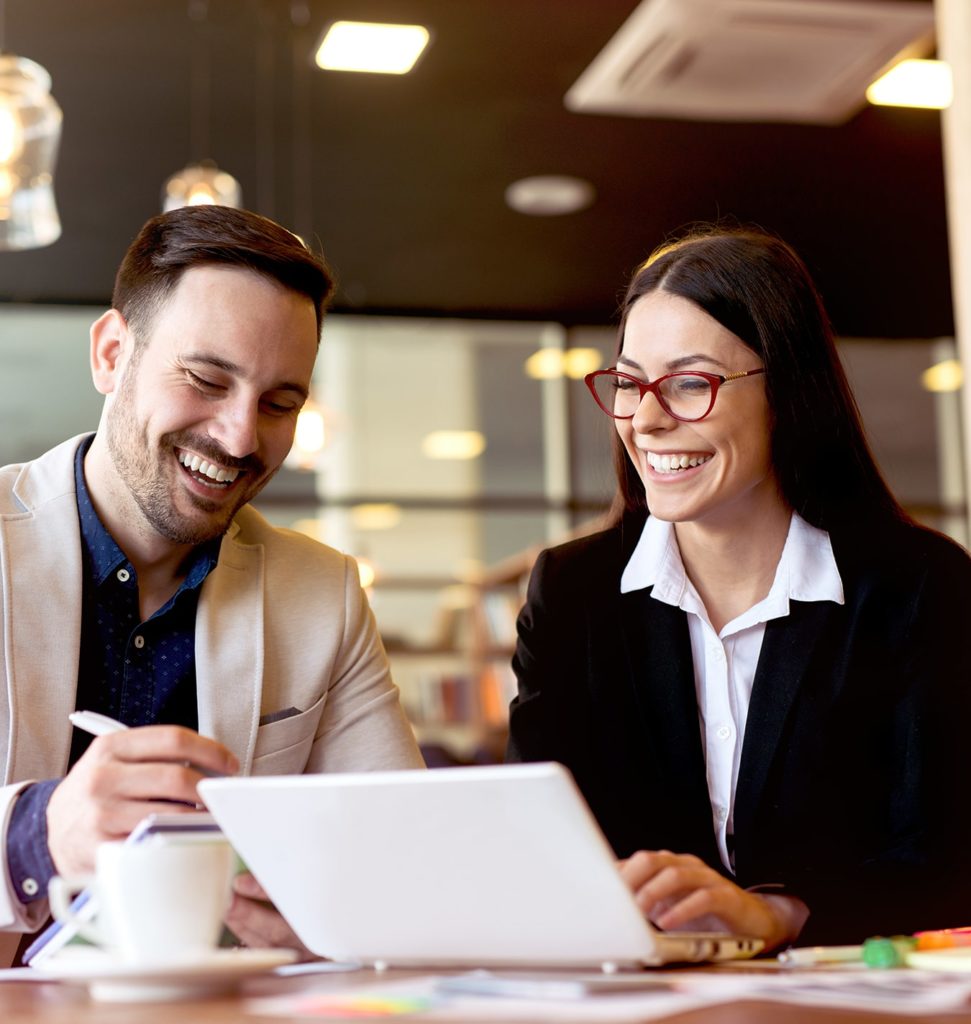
(30,129)
(201,182)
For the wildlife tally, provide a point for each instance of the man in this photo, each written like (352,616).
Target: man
(137,581)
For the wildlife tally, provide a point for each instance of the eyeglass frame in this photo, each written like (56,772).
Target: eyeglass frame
(714,379)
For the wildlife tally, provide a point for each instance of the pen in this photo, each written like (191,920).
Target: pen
(101,725)
(94,723)
(806,956)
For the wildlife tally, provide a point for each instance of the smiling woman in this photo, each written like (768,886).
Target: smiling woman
(760,581)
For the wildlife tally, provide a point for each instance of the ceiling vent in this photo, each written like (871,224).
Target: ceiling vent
(803,61)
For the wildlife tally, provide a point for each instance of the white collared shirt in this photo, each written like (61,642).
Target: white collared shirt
(725,663)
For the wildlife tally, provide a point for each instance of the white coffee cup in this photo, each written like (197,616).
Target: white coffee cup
(159,901)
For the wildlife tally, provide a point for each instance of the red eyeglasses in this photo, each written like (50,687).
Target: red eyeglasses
(686,395)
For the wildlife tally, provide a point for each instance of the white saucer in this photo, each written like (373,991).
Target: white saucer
(112,980)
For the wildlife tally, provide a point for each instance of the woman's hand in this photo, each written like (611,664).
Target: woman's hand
(679,891)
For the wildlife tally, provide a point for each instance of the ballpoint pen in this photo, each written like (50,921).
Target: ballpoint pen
(101,725)
(95,723)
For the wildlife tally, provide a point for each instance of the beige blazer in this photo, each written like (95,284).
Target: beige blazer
(282,624)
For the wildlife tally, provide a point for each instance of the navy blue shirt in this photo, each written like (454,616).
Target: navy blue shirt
(141,673)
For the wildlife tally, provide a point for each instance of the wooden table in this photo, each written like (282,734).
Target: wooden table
(58,1003)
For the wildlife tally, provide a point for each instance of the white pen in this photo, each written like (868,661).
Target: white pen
(807,956)
(94,723)
(101,725)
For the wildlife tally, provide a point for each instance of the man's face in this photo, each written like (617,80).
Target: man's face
(204,411)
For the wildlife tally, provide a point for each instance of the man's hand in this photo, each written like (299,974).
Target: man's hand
(122,778)
(679,891)
(254,920)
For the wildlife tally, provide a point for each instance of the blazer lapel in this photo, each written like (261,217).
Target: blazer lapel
(229,648)
(662,677)
(40,553)
(786,652)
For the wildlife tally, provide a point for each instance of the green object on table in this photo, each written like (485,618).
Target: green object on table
(887,952)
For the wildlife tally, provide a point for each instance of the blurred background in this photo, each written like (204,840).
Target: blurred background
(482,213)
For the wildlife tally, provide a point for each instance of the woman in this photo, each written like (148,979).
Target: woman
(758,676)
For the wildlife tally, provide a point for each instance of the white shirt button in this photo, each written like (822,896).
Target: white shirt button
(724,732)
(30,886)
(721,814)
(124,575)
(139,642)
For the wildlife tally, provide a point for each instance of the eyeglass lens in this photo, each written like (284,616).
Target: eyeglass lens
(683,394)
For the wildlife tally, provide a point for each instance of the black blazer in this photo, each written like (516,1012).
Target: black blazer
(854,788)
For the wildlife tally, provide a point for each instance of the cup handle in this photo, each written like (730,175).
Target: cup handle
(61,893)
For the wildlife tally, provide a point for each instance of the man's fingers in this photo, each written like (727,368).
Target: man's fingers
(167,743)
(107,782)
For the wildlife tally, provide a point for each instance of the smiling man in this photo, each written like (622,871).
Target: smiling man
(138,581)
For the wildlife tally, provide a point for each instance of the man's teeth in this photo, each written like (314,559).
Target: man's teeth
(675,463)
(195,464)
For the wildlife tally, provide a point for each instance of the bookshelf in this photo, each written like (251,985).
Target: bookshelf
(456,689)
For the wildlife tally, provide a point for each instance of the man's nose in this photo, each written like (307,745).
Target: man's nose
(235,429)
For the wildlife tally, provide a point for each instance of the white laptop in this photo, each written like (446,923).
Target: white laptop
(493,866)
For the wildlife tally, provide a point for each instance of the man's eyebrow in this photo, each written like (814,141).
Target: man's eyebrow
(227,366)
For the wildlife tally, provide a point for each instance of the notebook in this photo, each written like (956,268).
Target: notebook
(486,866)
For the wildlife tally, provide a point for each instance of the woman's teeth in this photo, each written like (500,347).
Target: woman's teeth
(675,463)
(217,474)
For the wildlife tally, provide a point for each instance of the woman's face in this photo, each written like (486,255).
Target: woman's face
(728,477)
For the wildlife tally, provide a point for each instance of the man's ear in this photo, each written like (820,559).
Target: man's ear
(111,343)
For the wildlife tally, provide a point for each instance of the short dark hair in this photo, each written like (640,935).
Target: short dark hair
(755,285)
(172,243)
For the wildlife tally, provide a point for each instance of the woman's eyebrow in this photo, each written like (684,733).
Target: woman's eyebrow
(676,364)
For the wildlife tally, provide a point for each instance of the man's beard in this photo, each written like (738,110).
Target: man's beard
(144,471)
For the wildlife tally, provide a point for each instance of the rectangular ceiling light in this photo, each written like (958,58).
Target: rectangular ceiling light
(914,83)
(371,46)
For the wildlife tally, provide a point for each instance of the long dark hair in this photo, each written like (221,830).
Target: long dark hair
(755,285)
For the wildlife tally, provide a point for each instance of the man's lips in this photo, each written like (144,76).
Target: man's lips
(213,471)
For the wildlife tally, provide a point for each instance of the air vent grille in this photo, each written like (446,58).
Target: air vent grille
(804,61)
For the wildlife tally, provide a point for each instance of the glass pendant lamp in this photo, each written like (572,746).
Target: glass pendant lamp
(30,129)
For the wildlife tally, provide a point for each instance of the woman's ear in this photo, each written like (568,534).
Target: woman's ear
(110,344)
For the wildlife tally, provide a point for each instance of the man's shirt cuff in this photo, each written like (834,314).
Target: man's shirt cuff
(28,859)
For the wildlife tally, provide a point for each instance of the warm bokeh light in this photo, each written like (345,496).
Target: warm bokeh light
(371,46)
(365,571)
(914,83)
(311,433)
(453,444)
(944,376)
(201,184)
(11,134)
(551,363)
(376,516)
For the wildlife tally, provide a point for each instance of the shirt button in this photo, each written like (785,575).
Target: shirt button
(723,733)
(124,575)
(720,813)
(139,642)
(30,886)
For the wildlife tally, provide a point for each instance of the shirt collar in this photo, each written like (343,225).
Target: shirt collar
(104,554)
(806,571)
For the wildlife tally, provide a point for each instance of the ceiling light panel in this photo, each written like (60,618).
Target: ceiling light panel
(914,83)
(371,46)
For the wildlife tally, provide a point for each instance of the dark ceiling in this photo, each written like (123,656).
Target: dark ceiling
(402,178)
